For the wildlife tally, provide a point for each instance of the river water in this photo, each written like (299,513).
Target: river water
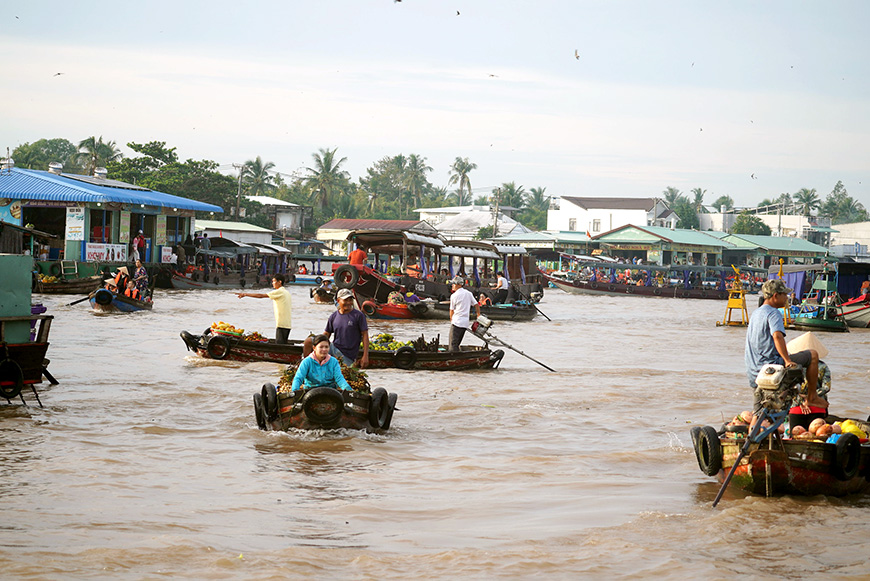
(146,461)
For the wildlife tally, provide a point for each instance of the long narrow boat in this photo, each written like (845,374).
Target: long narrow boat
(857,312)
(502,312)
(215,281)
(823,313)
(591,287)
(222,347)
(105,301)
(787,466)
(70,286)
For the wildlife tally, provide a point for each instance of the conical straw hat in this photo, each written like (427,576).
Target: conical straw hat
(807,341)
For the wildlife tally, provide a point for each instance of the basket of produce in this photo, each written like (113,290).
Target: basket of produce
(222,328)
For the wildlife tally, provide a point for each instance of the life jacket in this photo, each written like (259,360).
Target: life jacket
(484,301)
(133,293)
(121,280)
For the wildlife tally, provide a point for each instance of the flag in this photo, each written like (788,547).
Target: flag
(588,235)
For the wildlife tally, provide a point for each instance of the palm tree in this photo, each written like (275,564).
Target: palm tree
(537,199)
(459,175)
(459,198)
(326,176)
(724,201)
(699,198)
(256,176)
(807,200)
(415,177)
(671,195)
(94,153)
(511,195)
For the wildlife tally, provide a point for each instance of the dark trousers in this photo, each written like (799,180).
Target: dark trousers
(456,335)
(282,334)
(500,296)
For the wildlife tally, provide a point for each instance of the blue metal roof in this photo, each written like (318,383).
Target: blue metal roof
(31,184)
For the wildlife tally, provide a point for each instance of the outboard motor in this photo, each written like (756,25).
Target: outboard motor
(779,386)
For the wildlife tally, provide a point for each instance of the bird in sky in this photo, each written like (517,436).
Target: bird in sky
(753,177)
(457,13)
(576,54)
(57,74)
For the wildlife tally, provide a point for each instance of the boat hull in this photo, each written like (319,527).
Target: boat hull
(292,413)
(516,312)
(218,282)
(105,301)
(615,289)
(232,349)
(857,313)
(76,286)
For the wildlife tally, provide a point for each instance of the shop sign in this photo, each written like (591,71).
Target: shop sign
(75,224)
(124,230)
(97,252)
(160,233)
(10,211)
(630,246)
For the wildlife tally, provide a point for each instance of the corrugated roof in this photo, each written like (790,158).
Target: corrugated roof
(355,224)
(637,234)
(229,226)
(774,243)
(270,201)
(31,184)
(645,204)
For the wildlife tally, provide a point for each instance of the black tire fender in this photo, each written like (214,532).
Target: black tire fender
(218,347)
(496,357)
(708,451)
(657,292)
(593,285)
(629,289)
(323,405)
(318,280)
(405,357)
(369,308)
(217,280)
(391,400)
(611,288)
(103,297)
(269,395)
(55,269)
(379,407)
(242,282)
(346,276)
(259,413)
(848,457)
(11,379)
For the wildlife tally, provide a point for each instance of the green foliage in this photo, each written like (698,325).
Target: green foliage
(806,201)
(510,194)
(483,233)
(698,199)
(533,218)
(842,208)
(326,178)
(671,195)
(724,201)
(747,223)
(685,209)
(256,177)
(94,153)
(39,154)
(459,176)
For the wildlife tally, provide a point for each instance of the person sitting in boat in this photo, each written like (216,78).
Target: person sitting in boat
(109,284)
(122,276)
(132,292)
(397,297)
(302,270)
(320,369)
(865,289)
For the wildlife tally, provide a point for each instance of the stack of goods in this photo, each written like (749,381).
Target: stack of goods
(48,279)
(255,336)
(386,342)
(821,431)
(355,377)
(222,328)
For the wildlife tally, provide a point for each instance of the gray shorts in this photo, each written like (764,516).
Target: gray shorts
(336,352)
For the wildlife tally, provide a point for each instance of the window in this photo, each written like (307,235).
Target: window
(596,225)
(572,224)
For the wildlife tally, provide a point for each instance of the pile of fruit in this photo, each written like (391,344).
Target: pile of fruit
(821,430)
(355,377)
(386,342)
(49,279)
(227,328)
(255,336)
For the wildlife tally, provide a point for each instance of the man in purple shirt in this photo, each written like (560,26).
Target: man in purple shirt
(350,328)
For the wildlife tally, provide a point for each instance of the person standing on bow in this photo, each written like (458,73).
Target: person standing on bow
(501,286)
(460,311)
(140,277)
(282,304)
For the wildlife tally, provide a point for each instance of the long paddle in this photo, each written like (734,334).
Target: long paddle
(78,301)
(533,304)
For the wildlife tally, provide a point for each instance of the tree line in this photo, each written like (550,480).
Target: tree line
(391,188)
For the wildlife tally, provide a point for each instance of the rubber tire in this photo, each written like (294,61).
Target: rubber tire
(657,292)
(258,411)
(318,280)
(496,356)
(55,269)
(103,297)
(346,276)
(212,347)
(391,400)
(242,282)
(848,457)
(217,281)
(611,288)
(708,451)
(313,398)
(10,370)
(405,357)
(369,308)
(269,395)
(593,285)
(379,407)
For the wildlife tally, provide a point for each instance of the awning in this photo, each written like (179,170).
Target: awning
(510,249)
(822,229)
(427,240)
(274,248)
(469,252)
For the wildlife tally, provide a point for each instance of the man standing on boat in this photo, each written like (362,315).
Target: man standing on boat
(765,343)
(501,286)
(460,311)
(350,329)
(358,256)
(282,304)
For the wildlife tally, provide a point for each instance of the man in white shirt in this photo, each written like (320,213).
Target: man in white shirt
(460,311)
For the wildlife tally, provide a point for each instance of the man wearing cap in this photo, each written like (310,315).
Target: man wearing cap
(765,343)
(460,311)
(139,246)
(282,304)
(350,329)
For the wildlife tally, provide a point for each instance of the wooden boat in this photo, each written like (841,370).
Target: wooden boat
(23,364)
(591,287)
(222,347)
(105,301)
(503,312)
(822,312)
(787,466)
(70,286)
(324,408)
(856,312)
(375,310)
(215,281)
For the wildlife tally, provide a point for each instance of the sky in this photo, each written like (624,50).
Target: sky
(584,98)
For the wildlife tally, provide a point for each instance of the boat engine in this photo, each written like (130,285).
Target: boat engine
(779,386)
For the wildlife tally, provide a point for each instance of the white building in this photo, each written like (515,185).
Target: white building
(435,216)
(465,225)
(598,215)
(235,231)
(851,240)
(816,229)
(287,217)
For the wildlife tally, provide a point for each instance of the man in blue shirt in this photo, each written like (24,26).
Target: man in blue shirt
(765,343)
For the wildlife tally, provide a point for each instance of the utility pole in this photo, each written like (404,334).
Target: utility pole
(239,196)
(495,214)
